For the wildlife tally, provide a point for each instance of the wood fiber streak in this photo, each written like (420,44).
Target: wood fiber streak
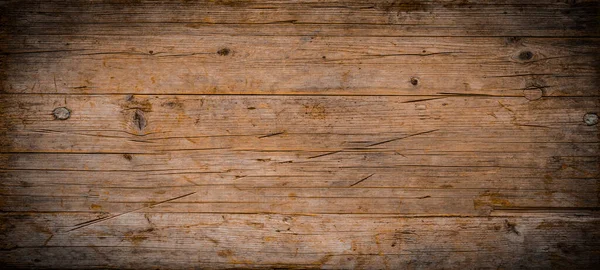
(260,134)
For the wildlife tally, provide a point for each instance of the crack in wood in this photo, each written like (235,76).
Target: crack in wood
(102,219)
(361,180)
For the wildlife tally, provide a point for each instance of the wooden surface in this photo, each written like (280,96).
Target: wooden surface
(304,134)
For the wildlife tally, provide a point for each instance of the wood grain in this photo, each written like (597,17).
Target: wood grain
(304,134)
(303,65)
(170,240)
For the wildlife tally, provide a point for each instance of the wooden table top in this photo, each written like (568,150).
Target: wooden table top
(343,134)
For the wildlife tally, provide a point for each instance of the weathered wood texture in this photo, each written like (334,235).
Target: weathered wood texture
(304,134)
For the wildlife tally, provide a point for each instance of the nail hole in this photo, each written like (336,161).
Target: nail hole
(590,119)
(224,52)
(525,55)
(61,113)
(414,81)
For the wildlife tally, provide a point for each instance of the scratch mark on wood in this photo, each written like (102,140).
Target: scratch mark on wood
(326,154)
(98,220)
(361,180)
(465,94)
(425,99)
(191,182)
(55,87)
(34,52)
(277,22)
(400,138)
(270,135)
(520,75)
(48,240)
(506,107)
(528,125)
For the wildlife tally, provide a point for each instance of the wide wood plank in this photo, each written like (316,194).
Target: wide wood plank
(309,125)
(89,64)
(280,154)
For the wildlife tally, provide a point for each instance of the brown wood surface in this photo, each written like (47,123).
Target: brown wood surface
(300,134)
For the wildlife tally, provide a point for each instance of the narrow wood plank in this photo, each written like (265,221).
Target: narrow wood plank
(309,125)
(345,17)
(170,240)
(390,192)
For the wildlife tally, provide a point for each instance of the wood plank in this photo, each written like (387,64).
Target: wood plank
(89,64)
(138,239)
(391,192)
(289,152)
(310,124)
(344,17)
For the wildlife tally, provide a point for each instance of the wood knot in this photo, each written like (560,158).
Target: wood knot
(414,81)
(224,52)
(534,90)
(533,94)
(512,40)
(525,55)
(511,227)
(61,113)
(139,120)
(590,119)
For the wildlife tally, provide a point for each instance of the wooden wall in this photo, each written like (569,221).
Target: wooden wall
(300,134)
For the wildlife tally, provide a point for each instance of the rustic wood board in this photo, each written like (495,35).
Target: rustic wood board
(302,134)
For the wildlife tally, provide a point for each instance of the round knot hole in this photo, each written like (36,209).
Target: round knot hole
(224,52)
(590,119)
(525,55)
(61,113)
(414,81)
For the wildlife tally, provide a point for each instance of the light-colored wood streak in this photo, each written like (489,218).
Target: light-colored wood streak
(339,134)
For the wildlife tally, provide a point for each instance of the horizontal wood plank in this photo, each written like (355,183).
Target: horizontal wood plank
(137,239)
(530,67)
(382,17)
(280,154)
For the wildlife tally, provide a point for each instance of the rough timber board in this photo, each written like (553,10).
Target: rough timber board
(304,134)
(315,65)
